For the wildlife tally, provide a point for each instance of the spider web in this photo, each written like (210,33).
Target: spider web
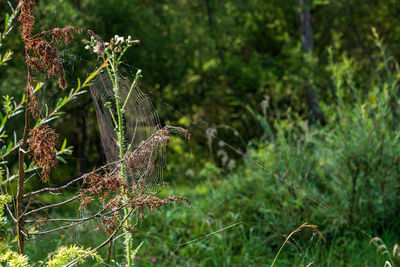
(140,122)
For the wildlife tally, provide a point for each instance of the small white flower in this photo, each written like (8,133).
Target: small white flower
(97,48)
(120,40)
(138,72)
(106,44)
(87,47)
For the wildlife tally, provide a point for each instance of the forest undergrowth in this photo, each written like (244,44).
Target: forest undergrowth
(250,205)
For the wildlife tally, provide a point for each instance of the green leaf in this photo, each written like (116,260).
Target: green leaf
(10,145)
(6,21)
(61,159)
(64,144)
(3,121)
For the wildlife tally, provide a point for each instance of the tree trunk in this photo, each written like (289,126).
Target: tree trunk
(305,26)
(307,45)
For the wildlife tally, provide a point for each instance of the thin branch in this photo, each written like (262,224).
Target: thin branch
(27,206)
(8,207)
(10,21)
(11,178)
(56,109)
(109,253)
(51,206)
(75,261)
(55,189)
(55,229)
(119,236)
(98,214)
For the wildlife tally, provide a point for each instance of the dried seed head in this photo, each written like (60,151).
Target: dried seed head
(41,55)
(42,144)
(33,104)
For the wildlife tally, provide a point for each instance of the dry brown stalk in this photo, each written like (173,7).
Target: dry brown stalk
(298,229)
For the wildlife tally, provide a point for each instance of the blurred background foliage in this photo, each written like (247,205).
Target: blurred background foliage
(236,75)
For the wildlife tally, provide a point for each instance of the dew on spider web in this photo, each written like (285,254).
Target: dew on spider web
(140,122)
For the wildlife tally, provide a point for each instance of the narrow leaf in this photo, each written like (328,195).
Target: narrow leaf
(64,144)
(6,21)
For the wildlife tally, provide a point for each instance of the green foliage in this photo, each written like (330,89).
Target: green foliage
(7,256)
(12,258)
(4,199)
(210,63)
(210,171)
(65,255)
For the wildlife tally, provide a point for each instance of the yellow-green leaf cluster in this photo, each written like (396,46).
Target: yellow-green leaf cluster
(13,259)
(65,255)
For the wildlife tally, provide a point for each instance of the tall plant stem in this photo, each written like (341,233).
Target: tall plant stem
(21,171)
(120,136)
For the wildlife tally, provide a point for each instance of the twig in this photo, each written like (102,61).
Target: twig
(27,207)
(75,261)
(55,189)
(109,253)
(11,178)
(8,207)
(55,229)
(13,15)
(52,205)
(98,214)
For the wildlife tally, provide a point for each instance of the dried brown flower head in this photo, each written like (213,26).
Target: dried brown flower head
(154,203)
(141,162)
(41,54)
(100,186)
(41,221)
(42,143)
(108,223)
(33,106)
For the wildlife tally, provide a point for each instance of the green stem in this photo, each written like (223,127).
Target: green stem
(279,252)
(130,90)
(120,135)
